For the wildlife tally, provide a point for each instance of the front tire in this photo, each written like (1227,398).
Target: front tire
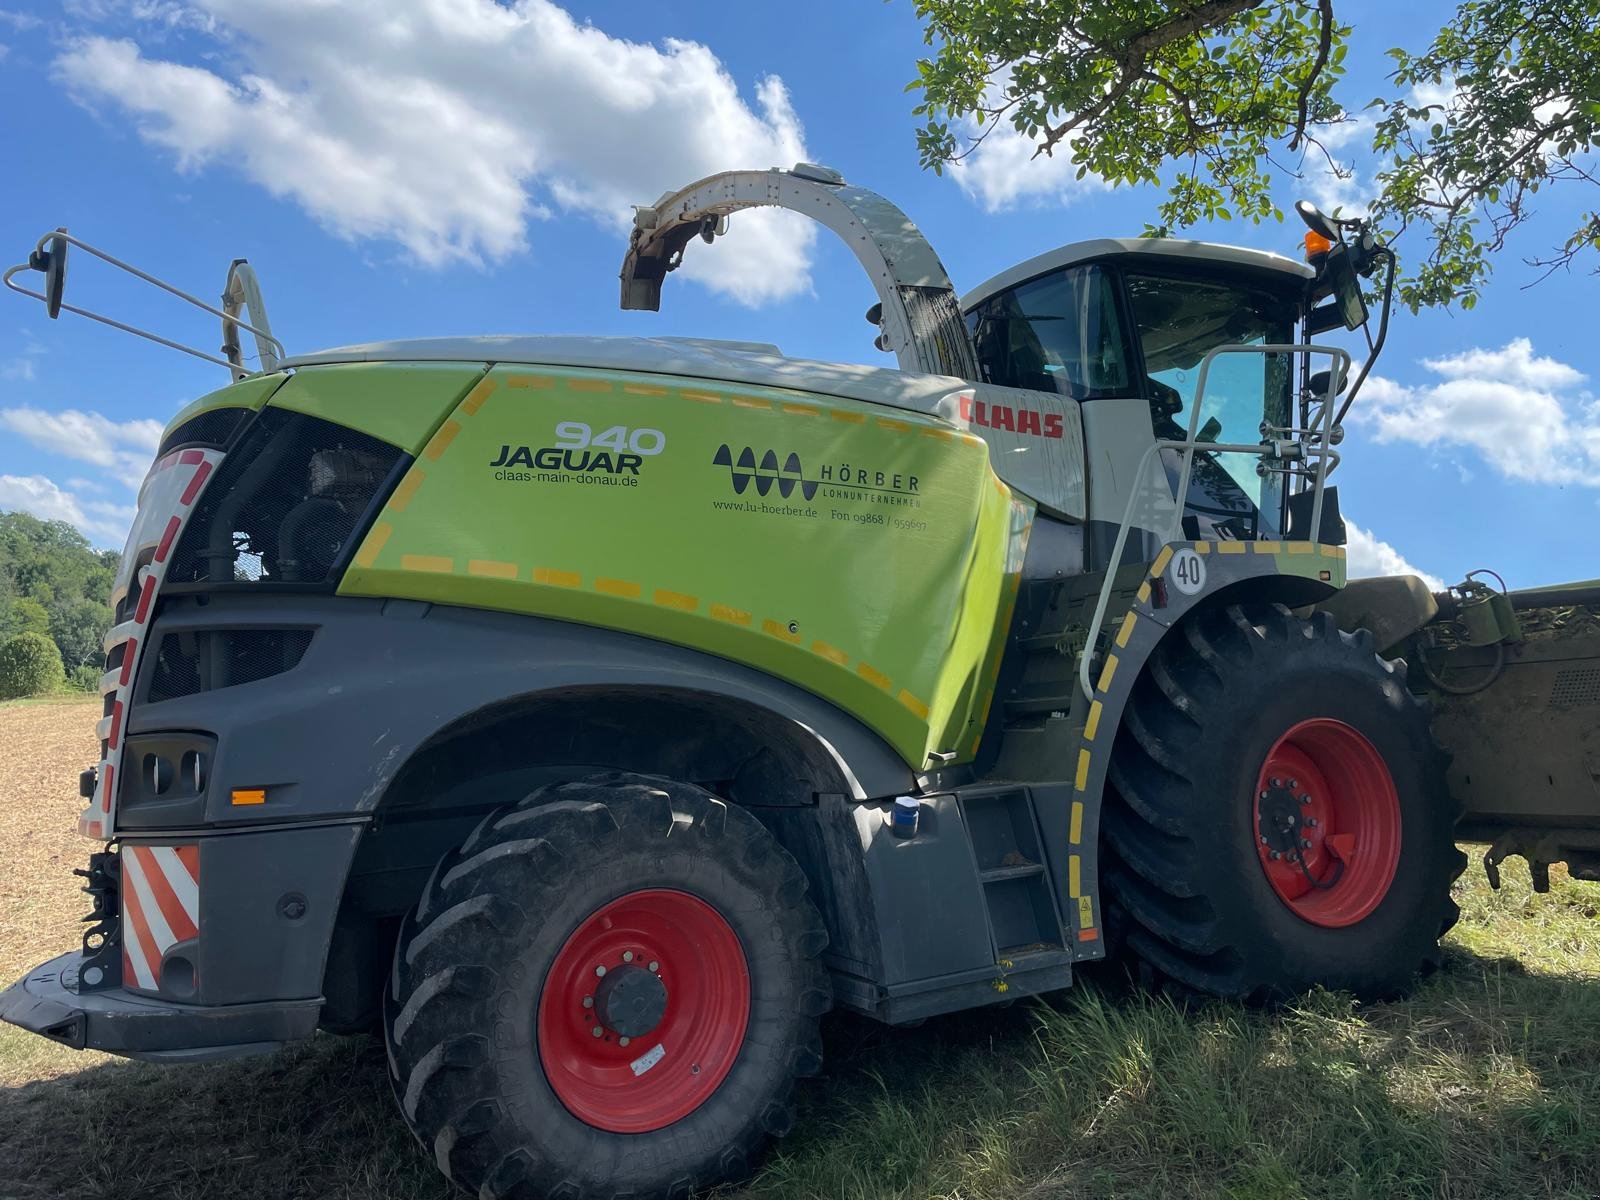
(1278,817)
(649,911)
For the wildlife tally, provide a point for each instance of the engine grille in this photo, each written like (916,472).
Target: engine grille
(212,428)
(207,660)
(285,504)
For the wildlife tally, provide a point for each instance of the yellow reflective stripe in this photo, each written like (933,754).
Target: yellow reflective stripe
(435,564)
(556,578)
(375,541)
(1127,628)
(1075,833)
(676,600)
(734,616)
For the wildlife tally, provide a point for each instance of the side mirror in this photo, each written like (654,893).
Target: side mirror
(1209,431)
(53,262)
(1318,383)
(1316,220)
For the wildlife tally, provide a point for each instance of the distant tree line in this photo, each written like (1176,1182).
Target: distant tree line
(55,606)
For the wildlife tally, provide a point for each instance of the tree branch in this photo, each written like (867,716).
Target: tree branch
(1324,47)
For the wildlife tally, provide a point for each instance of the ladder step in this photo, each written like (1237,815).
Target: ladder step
(1020,871)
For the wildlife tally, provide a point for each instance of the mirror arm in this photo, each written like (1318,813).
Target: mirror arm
(269,346)
(1375,348)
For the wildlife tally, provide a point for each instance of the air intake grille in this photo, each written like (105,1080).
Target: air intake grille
(212,428)
(1575,686)
(284,504)
(190,663)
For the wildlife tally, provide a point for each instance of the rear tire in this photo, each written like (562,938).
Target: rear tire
(1198,781)
(492,1069)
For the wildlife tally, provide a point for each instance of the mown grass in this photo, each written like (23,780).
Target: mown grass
(1484,1084)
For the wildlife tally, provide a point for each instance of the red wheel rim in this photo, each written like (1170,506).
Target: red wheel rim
(1327,822)
(677,1004)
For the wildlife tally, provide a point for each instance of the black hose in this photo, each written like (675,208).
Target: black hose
(1452,689)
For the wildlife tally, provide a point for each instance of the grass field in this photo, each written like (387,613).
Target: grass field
(1485,1084)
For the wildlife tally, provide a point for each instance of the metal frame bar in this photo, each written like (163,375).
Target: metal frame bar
(1323,453)
(263,336)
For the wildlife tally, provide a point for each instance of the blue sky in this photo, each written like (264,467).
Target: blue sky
(474,178)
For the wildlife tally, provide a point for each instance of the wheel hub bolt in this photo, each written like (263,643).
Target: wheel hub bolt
(654,966)
(1293,783)
(627,956)
(1277,783)
(1306,842)
(1305,799)
(588,1001)
(599,972)
(597,1031)
(1263,796)
(623,1041)
(1274,856)
(1263,839)
(1311,822)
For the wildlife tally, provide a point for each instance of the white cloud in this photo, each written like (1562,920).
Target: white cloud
(1341,185)
(448,125)
(1367,556)
(1002,173)
(123,447)
(1524,415)
(1512,363)
(24,367)
(103,524)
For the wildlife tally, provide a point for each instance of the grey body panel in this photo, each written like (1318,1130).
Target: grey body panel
(1526,749)
(382,677)
(119,1022)
(1136,250)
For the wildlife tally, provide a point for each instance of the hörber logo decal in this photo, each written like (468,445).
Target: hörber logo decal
(767,473)
(784,472)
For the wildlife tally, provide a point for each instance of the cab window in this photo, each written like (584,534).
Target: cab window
(1057,333)
(1179,319)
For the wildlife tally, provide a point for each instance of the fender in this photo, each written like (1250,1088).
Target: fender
(1294,573)
(380,678)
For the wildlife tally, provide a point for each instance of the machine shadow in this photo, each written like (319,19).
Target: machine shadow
(1481,1078)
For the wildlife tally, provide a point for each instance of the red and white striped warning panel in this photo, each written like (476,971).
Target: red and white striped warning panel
(165,500)
(160,908)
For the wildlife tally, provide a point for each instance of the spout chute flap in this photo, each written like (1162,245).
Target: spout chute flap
(921,317)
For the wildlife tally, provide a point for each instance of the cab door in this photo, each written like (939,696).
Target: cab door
(1061,343)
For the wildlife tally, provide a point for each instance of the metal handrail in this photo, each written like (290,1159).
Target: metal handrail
(1323,453)
(245,295)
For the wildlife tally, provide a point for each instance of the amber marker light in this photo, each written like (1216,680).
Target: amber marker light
(1317,246)
(248,796)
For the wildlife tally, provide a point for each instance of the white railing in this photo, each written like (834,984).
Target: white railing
(1279,449)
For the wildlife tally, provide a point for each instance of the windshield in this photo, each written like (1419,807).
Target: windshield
(1179,319)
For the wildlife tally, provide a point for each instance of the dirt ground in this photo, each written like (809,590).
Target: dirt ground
(1485,1085)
